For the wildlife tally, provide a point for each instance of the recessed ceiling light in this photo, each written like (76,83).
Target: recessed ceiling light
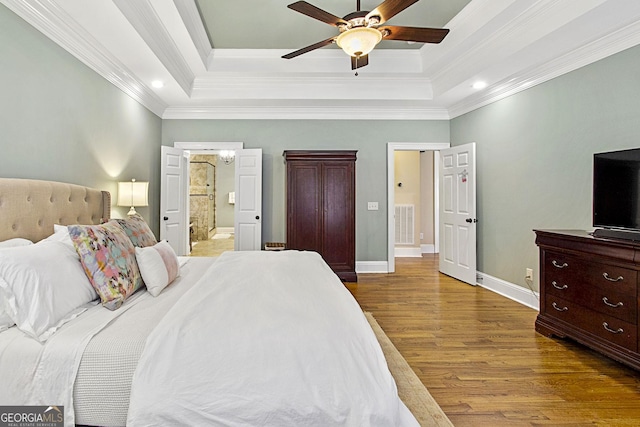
(479,85)
(157,84)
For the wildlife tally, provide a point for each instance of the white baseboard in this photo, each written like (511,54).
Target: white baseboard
(509,290)
(407,252)
(229,230)
(428,249)
(372,267)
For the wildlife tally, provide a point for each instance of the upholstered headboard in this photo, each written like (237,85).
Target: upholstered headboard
(29,208)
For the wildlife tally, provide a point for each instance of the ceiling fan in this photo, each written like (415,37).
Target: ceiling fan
(361,31)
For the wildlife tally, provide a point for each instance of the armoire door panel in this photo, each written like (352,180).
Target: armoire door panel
(304,216)
(338,219)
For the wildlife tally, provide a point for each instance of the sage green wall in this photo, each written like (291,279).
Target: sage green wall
(535,153)
(370,138)
(61,121)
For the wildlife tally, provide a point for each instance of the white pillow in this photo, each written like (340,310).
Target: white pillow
(60,234)
(13,243)
(42,286)
(158,266)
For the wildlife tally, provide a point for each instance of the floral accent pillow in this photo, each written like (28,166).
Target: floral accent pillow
(138,231)
(109,260)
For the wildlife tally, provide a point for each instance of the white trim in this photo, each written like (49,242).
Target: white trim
(300,110)
(428,249)
(404,146)
(407,252)
(509,290)
(604,47)
(371,267)
(142,15)
(209,145)
(188,10)
(50,19)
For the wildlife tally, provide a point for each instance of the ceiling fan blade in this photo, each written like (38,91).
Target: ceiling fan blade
(359,62)
(413,34)
(309,48)
(316,13)
(389,8)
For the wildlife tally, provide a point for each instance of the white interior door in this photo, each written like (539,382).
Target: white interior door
(173,200)
(457,178)
(248,207)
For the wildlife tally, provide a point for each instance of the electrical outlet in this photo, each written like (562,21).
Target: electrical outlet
(528,274)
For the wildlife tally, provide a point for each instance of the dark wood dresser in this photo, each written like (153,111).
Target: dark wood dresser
(321,207)
(589,292)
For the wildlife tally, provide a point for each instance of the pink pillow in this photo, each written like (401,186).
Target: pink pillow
(158,266)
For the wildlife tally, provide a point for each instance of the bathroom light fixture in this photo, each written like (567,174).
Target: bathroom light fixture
(227,156)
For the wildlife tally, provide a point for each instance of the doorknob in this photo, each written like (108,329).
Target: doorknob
(469,220)
(166,218)
(257,216)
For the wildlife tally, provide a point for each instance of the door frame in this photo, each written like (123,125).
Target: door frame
(392,147)
(201,148)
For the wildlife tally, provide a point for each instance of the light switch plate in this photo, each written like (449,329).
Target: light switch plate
(372,206)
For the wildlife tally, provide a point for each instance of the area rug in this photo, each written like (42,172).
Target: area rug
(410,389)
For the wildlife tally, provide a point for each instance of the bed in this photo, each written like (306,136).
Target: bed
(246,339)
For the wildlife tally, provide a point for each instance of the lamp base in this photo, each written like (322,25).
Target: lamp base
(132,211)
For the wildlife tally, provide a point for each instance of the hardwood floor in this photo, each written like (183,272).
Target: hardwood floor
(483,362)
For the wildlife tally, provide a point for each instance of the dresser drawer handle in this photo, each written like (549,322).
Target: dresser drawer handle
(617,331)
(606,301)
(555,285)
(558,308)
(611,279)
(563,265)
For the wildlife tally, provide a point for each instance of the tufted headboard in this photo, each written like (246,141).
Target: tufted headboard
(29,208)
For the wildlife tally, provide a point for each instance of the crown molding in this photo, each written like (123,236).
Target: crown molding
(368,111)
(188,10)
(608,45)
(143,17)
(311,86)
(48,18)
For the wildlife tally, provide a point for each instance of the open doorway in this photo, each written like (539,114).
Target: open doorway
(392,184)
(211,203)
(415,227)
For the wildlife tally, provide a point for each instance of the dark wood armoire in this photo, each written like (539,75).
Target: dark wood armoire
(321,207)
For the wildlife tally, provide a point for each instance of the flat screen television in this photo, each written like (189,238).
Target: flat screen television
(616,194)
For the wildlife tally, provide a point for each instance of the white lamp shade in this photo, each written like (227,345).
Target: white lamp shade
(133,193)
(359,41)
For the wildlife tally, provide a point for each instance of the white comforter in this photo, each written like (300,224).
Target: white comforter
(250,346)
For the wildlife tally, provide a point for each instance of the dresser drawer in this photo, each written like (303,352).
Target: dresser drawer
(620,305)
(570,270)
(609,328)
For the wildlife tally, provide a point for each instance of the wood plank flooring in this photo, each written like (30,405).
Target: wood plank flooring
(483,362)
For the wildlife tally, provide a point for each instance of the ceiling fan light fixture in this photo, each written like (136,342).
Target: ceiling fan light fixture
(359,41)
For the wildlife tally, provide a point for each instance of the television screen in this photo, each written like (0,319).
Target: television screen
(616,189)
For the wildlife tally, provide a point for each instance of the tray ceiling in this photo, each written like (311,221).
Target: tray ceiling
(228,65)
